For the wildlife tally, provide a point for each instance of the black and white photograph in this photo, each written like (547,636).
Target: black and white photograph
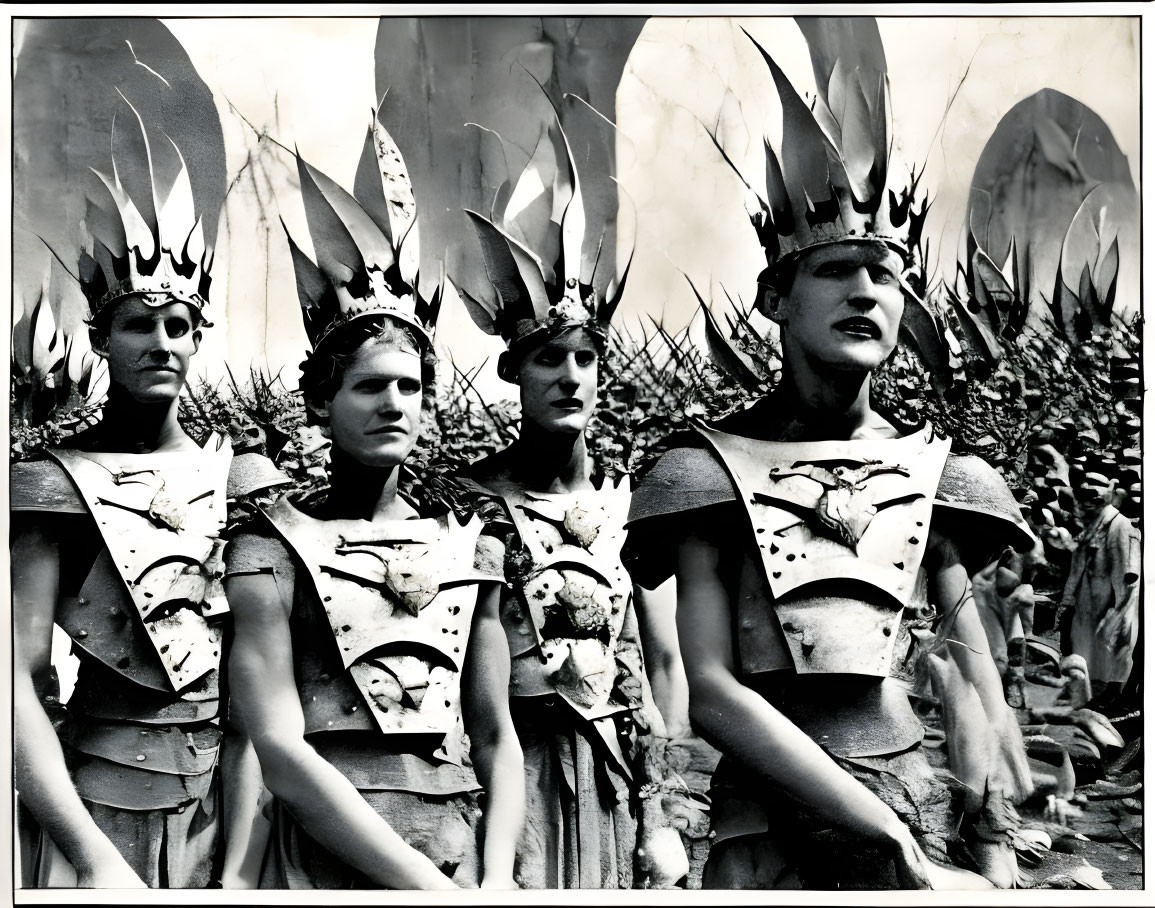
(657,450)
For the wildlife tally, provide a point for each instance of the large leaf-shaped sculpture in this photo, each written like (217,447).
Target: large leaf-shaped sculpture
(1052,190)
(437,74)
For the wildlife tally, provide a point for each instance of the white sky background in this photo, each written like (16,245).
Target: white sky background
(311,82)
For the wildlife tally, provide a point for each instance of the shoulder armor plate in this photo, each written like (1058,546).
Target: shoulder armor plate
(160,517)
(251,473)
(683,479)
(399,599)
(970,485)
(40,485)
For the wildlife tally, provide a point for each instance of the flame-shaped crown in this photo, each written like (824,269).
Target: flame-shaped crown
(148,246)
(543,252)
(358,271)
(827,182)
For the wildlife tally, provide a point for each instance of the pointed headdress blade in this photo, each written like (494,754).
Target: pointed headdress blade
(132,165)
(513,273)
(367,187)
(180,229)
(105,227)
(341,230)
(573,217)
(483,314)
(593,138)
(809,159)
(312,290)
(138,232)
(531,213)
(850,71)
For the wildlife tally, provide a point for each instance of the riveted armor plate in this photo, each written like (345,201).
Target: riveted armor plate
(160,518)
(399,600)
(831,512)
(573,595)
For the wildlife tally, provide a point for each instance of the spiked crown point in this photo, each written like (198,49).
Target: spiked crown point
(149,242)
(358,269)
(827,182)
(541,247)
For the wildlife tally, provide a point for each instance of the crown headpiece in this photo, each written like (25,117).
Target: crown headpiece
(543,247)
(151,242)
(358,272)
(827,182)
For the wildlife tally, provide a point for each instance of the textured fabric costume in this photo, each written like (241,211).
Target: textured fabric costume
(379,625)
(576,680)
(141,599)
(825,541)
(1102,588)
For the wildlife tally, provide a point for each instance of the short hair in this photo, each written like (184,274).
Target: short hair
(324,370)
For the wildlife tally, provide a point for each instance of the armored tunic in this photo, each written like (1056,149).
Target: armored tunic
(379,621)
(141,599)
(829,539)
(576,681)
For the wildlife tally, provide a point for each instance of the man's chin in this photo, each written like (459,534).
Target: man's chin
(158,393)
(857,360)
(382,458)
(568,424)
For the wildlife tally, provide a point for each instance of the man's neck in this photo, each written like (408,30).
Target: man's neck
(360,492)
(130,426)
(547,461)
(812,404)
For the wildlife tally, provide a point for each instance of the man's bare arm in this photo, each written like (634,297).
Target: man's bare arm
(41,775)
(265,705)
(495,748)
(246,831)
(659,634)
(750,729)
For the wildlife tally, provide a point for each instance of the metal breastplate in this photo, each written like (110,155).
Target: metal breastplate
(840,529)
(151,606)
(572,595)
(398,600)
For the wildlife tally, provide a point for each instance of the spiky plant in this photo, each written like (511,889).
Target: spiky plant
(57,382)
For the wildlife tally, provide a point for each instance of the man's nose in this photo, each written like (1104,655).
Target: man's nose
(570,376)
(862,291)
(160,342)
(390,402)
